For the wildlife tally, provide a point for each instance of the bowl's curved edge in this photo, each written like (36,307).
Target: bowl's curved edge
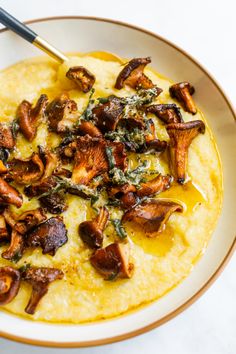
(210,281)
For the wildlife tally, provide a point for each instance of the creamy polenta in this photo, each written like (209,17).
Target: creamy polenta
(160,262)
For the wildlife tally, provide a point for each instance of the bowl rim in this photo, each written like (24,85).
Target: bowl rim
(222,265)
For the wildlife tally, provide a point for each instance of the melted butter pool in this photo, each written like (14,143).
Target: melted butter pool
(187,194)
(190,196)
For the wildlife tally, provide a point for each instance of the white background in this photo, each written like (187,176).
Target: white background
(207,30)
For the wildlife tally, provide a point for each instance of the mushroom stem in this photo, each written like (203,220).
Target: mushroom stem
(39,278)
(38,291)
(9,194)
(3,228)
(181,135)
(15,250)
(29,118)
(102,218)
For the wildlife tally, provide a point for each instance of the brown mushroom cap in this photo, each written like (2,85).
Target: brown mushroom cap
(151,216)
(119,190)
(155,186)
(67,151)
(91,158)
(89,128)
(9,284)
(9,195)
(27,171)
(183,92)
(113,261)
(181,135)
(82,77)
(15,251)
(126,194)
(61,114)
(54,202)
(91,232)
(43,186)
(50,235)
(133,76)
(39,278)
(50,160)
(29,219)
(6,137)
(119,153)
(9,217)
(168,113)
(29,118)
(63,172)
(128,200)
(107,115)
(20,226)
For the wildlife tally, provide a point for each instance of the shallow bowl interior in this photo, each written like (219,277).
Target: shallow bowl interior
(87,34)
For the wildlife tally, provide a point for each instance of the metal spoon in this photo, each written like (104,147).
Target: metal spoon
(28,34)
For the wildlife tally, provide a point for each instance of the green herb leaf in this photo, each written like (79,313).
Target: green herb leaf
(64,184)
(15,128)
(23,268)
(143,96)
(103,100)
(110,157)
(112,276)
(4,154)
(87,113)
(119,228)
(17,256)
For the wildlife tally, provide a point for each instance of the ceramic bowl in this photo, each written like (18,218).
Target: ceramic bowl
(81,34)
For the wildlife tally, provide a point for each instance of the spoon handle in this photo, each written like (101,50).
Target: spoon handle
(16,26)
(29,35)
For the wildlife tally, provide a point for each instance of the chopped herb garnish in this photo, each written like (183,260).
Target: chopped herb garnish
(114,203)
(23,268)
(142,97)
(17,256)
(94,199)
(119,228)
(66,184)
(15,128)
(110,157)
(131,177)
(136,137)
(87,113)
(103,100)
(4,154)
(112,276)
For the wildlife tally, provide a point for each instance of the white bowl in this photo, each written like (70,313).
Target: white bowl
(82,34)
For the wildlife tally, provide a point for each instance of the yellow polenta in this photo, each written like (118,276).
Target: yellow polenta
(161,262)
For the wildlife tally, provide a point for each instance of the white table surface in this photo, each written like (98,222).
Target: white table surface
(206,29)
